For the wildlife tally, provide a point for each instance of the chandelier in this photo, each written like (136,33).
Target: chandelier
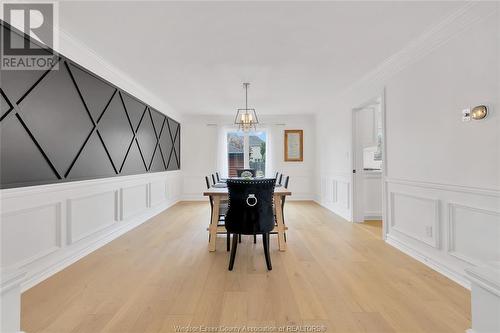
(246,118)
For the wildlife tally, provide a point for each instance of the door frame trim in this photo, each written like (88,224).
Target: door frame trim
(382,97)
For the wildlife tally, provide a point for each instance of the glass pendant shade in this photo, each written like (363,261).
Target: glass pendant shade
(246,118)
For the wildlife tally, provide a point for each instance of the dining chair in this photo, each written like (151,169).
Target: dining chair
(213,179)
(219,180)
(286,181)
(222,213)
(207,182)
(250,212)
(287,178)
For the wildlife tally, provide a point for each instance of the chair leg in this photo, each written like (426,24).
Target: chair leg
(265,242)
(239,238)
(255,239)
(233,251)
(228,241)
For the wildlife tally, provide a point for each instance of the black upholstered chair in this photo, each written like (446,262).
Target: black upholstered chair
(279,176)
(240,171)
(250,212)
(222,213)
(287,179)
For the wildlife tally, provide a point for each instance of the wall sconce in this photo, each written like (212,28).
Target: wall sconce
(478,112)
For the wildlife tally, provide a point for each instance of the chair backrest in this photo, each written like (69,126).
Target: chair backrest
(250,209)
(217,175)
(276,176)
(280,179)
(213,179)
(240,171)
(207,182)
(287,178)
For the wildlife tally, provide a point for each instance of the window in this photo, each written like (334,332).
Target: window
(246,151)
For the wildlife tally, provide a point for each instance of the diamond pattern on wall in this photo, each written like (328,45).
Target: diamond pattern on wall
(92,162)
(134,108)
(59,122)
(115,131)
(175,139)
(5,106)
(68,124)
(134,162)
(95,92)
(22,161)
(146,138)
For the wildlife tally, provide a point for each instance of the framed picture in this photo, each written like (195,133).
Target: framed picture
(294,145)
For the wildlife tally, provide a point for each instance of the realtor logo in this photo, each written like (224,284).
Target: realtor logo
(37,20)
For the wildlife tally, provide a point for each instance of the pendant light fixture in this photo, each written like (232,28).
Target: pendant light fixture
(246,118)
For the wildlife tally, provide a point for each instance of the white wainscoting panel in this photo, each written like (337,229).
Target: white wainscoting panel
(134,199)
(467,223)
(336,194)
(30,234)
(415,216)
(328,189)
(90,214)
(158,192)
(343,193)
(46,228)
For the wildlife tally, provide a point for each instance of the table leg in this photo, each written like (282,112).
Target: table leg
(213,224)
(280,222)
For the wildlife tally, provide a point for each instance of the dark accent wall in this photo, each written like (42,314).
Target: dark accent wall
(69,124)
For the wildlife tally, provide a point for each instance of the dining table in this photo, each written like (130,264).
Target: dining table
(218,194)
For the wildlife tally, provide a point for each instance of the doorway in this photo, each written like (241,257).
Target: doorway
(369,164)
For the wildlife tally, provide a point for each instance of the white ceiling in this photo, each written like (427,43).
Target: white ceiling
(297,55)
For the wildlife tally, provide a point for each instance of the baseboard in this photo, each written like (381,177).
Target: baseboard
(193,197)
(438,267)
(373,216)
(73,256)
(338,213)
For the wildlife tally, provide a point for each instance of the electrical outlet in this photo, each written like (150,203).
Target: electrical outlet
(428,231)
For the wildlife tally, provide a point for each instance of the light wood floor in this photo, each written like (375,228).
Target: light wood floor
(159,275)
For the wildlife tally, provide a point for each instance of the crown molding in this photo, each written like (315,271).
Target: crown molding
(83,54)
(434,37)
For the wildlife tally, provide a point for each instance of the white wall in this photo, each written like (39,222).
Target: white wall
(199,138)
(443,175)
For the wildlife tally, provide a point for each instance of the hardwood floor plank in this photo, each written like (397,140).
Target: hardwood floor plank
(161,275)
